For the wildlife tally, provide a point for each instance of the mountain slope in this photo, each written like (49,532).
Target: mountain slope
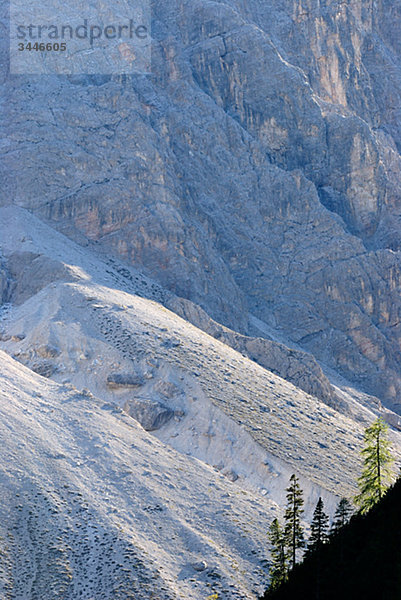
(93,506)
(93,503)
(88,332)
(256,170)
(203,261)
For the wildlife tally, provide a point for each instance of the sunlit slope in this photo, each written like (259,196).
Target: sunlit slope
(82,319)
(92,506)
(96,331)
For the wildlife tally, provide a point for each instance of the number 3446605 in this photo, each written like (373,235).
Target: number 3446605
(41,47)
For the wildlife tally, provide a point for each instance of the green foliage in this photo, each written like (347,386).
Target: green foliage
(293,531)
(376,474)
(342,515)
(278,568)
(319,528)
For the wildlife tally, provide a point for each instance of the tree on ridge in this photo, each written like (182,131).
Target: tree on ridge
(293,530)
(278,567)
(319,528)
(342,515)
(376,473)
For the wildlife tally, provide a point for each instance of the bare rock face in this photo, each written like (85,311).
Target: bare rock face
(45,351)
(300,368)
(393,420)
(167,389)
(150,414)
(39,359)
(28,273)
(124,380)
(5,284)
(256,170)
(44,368)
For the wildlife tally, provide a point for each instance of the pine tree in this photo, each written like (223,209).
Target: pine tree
(293,531)
(376,474)
(278,569)
(319,528)
(342,515)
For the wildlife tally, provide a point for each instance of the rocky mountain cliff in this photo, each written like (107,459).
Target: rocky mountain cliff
(254,171)
(231,281)
(143,456)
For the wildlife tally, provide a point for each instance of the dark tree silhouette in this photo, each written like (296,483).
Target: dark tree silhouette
(370,567)
(319,528)
(342,515)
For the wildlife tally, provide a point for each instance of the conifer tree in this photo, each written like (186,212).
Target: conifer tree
(278,569)
(376,474)
(342,515)
(293,531)
(319,528)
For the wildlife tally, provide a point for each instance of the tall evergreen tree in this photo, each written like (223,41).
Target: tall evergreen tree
(376,474)
(278,568)
(293,531)
(319,528)
(342,515)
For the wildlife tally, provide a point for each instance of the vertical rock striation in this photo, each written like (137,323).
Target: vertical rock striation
(257,169)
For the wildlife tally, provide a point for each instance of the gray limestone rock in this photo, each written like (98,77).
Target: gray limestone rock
(393,420)
(6,284)
(199,566)
(31,272)
(256,170)
(124,380)
(230,474)
(300,368)
(46,351)
(44,368)
(151,415)
(167,389)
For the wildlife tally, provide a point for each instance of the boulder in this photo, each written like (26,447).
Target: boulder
(124,380)
(151,415)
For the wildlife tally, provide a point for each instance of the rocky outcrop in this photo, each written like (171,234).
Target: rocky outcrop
(257,170)
(45,351)
(393,420)
(300,368)
(40,359)
(150,414)
(167,389)
(30,272)
(44,368)
(5,284)
(124,380)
